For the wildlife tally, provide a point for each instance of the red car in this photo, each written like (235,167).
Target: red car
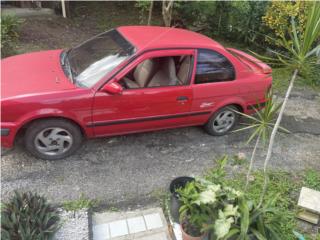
(127,80)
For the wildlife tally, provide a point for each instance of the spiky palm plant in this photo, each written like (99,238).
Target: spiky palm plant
(261,125)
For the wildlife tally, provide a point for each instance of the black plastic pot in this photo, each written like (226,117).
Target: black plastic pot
(175,184)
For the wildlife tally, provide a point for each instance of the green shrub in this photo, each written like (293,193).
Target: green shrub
(233,20)
(9,34)
(279,13)
(28,216)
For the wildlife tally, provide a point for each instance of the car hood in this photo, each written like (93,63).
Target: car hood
(32,74)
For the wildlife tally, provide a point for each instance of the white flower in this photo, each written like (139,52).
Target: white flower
(222,226)
(230,210)
(214,187)
(207,196)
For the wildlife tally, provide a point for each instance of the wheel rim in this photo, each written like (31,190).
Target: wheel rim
(224,121)
(53,141)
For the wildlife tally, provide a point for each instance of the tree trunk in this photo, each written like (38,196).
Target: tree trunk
(150,12)
(251,161)
(167,6)
(273,134)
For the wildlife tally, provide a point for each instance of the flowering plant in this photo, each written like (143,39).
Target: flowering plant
(208,206)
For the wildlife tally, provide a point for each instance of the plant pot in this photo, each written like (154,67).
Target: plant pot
(186,236)
(174,198)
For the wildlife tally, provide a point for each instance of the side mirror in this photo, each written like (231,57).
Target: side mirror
(113,88)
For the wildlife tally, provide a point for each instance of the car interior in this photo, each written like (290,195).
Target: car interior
(161,71)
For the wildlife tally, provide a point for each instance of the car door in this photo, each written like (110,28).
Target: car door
(214,83)
(143,109)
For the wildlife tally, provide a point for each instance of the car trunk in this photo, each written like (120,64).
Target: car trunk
(251,62)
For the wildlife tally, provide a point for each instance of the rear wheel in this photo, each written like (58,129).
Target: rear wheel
(52,139)
(222,121)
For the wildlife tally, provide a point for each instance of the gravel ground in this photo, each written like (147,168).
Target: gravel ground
(75,225)
(134,167)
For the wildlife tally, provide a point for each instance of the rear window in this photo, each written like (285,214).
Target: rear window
(213,67)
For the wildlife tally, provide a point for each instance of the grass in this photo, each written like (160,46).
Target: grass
(238,160)
(312,179)
(281,183)
(82,203)
(281,77)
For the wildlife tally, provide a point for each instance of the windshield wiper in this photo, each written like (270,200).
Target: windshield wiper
(66,65)
(64,55)
(70,71)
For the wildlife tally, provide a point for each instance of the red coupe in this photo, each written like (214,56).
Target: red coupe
(127,80)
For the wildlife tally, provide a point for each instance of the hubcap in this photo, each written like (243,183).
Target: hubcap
(53,141)
(224,121)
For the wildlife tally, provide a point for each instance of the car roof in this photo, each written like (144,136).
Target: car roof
(153,37)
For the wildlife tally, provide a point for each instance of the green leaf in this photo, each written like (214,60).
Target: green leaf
(257,234)
(244,211)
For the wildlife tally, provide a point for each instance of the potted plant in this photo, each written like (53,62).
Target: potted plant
(177,183)
(193,215)
(206,208)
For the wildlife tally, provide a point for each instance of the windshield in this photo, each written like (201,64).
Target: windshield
(95,58)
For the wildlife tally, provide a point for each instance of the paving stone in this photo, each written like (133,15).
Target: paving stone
(153,221)
(118,228)
(310,200)
(309,217)
(136,224)
(139,225)
(157,236)
(101,232)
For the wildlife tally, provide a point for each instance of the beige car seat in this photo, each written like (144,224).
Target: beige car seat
(166,75)
(142,74)
(184,70)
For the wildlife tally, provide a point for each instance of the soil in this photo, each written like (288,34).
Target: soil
(87,20)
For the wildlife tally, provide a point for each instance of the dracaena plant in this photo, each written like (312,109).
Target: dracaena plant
(28,216)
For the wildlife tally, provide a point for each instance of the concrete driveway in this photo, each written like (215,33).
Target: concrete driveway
(130,168)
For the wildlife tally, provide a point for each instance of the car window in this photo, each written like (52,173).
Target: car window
(213,67)
(93,59)
(159,71)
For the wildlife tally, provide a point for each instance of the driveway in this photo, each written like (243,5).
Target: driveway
(133,167)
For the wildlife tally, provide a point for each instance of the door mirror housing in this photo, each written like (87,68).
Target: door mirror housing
(113,88)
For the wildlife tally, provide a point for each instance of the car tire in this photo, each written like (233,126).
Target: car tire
(52,139)
(222,121)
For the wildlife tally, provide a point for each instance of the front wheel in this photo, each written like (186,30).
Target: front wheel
(222,121)
(52,139)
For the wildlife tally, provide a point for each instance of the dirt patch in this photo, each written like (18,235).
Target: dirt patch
(87,19)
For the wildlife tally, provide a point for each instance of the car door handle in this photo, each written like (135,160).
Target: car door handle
(182,98)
